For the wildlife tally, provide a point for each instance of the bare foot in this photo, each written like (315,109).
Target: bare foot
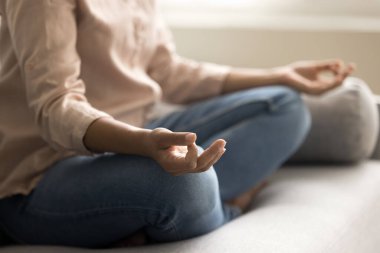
(137,239)
(244,200)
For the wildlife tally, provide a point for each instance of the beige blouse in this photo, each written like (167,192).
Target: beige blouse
(65,63)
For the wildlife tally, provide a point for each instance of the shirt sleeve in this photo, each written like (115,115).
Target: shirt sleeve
(44,34)
(183,80)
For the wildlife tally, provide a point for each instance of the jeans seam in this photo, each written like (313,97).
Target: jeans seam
(88,212)
(171,225)
(11,234)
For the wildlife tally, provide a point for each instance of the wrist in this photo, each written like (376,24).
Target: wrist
(279,75)
(109,135)
(143,136)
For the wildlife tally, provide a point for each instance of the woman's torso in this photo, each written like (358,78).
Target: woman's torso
(115,41)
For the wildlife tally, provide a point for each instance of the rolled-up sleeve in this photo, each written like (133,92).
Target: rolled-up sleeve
(44,35)
(183,80)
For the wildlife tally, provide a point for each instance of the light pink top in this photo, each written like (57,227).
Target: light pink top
(65,63)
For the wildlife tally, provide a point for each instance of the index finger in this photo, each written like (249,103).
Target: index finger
(167,139)
(334,65)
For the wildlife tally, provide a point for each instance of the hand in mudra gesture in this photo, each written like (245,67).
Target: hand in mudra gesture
(177,153)
(307,76)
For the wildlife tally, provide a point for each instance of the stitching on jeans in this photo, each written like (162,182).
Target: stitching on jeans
(63,211)
(89,212)
(11,234)
(118,210)
(102,211)
(171,226)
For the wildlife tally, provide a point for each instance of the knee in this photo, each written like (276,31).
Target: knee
(194,194)
(293,117)
(190,203)
(278,100)
(284,98)
(290,106)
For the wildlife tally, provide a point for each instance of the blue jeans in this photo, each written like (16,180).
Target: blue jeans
(95,201)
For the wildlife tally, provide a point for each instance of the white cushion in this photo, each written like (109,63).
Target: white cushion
(304,209)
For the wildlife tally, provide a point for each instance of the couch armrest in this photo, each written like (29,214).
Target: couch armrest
(376,152)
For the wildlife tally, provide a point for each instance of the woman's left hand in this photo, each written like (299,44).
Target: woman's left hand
(307,76)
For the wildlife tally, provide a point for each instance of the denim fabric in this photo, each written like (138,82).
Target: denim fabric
(95,201)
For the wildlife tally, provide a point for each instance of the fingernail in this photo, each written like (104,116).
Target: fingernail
(189,137)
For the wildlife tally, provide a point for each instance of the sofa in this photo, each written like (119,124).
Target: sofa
(326,198)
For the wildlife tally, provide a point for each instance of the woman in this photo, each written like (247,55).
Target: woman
(83,162)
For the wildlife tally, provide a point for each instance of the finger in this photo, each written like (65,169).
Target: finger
(204,167)
(326,64)
(336,66)
(347,71)
(351,67)
(210,163)
(181,160)
(323,85)
(167,139)
(210,153)
(213,161)
(191,156)
(340,68)
(301,83)
(331,64)
(174,162)
(337,81)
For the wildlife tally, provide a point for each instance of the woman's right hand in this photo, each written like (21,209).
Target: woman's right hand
(177,153)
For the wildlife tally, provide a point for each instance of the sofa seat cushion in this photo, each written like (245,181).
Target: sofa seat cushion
(311,209)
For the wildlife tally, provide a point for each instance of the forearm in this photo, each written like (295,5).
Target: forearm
(242,78)
(110,135)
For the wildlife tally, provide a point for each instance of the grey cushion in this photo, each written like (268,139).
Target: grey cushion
(376,152)
(345,125)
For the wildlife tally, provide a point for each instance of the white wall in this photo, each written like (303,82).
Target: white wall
(267,48)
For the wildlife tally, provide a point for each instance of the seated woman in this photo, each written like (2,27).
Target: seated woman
(83,162)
